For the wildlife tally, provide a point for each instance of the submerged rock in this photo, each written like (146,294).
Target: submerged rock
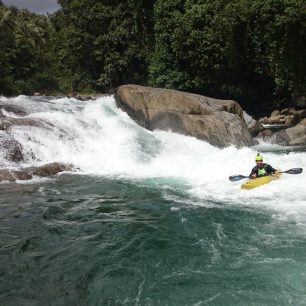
(28,173)
(13,175)
(49,169)
(7,123)
(11,108)
(219,122)
(12,149)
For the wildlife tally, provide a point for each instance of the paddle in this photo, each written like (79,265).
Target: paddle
(293,171)
(238,177)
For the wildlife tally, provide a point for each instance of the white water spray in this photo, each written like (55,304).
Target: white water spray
(100,139)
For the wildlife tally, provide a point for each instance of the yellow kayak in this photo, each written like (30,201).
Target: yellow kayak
(256,182)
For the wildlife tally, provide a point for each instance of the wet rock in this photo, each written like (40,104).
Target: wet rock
(281,138)
(265,133)
(87,97)
(292,136)
(253,125)
(12,149)
(11,108)
(7,123)
(12,175)
(297,134)
(5,175)
(28,173)
(49,169)
(219,122)
(298,142)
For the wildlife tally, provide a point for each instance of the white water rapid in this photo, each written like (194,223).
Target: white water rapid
(100,139)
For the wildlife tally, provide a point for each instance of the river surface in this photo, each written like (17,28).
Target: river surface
(149,218)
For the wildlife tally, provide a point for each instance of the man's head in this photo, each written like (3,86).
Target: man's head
(259,160)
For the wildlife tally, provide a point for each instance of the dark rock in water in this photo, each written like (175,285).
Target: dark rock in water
(292,136)
(297,135)
(12,148)
(28,173)
(5,175)
(12,175)
(7,123)
(17,110)
(253,125)
(219,122)
(265,133)
(49,169)
(89,97)
(281,138)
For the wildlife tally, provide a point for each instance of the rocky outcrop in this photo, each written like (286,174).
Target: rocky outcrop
(288,116)
(294,136)
(219,122)
(291,126)
(29,173)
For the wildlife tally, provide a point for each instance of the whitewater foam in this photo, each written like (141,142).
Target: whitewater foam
(100,139)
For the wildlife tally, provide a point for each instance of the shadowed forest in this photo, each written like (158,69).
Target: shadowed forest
(252,51)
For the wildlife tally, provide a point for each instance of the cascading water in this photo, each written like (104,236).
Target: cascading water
(148,218)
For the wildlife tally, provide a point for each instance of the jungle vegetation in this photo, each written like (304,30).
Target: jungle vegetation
(252,51)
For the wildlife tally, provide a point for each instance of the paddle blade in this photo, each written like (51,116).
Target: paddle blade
(294,171)
(238,177)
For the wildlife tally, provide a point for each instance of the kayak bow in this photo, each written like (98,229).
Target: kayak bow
(259,181)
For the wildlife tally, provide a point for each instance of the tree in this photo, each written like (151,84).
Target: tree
(104,42)
(6,21)
(251,51)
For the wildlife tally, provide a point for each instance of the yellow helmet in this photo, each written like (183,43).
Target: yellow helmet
(258,157)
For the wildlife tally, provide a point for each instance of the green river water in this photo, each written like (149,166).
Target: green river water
(165,228)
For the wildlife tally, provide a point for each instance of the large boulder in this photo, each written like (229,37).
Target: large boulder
(219,122)
(292,136)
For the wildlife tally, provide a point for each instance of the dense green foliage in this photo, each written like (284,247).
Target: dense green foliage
(249,50)
(24,52)
(102,46)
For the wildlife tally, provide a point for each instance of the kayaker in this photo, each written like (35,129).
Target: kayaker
(261,168)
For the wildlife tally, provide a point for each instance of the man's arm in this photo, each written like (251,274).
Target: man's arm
(253,172)
(269,169)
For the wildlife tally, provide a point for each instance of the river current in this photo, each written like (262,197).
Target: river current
(148,218)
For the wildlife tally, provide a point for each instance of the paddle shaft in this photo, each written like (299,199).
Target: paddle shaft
(238,177)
